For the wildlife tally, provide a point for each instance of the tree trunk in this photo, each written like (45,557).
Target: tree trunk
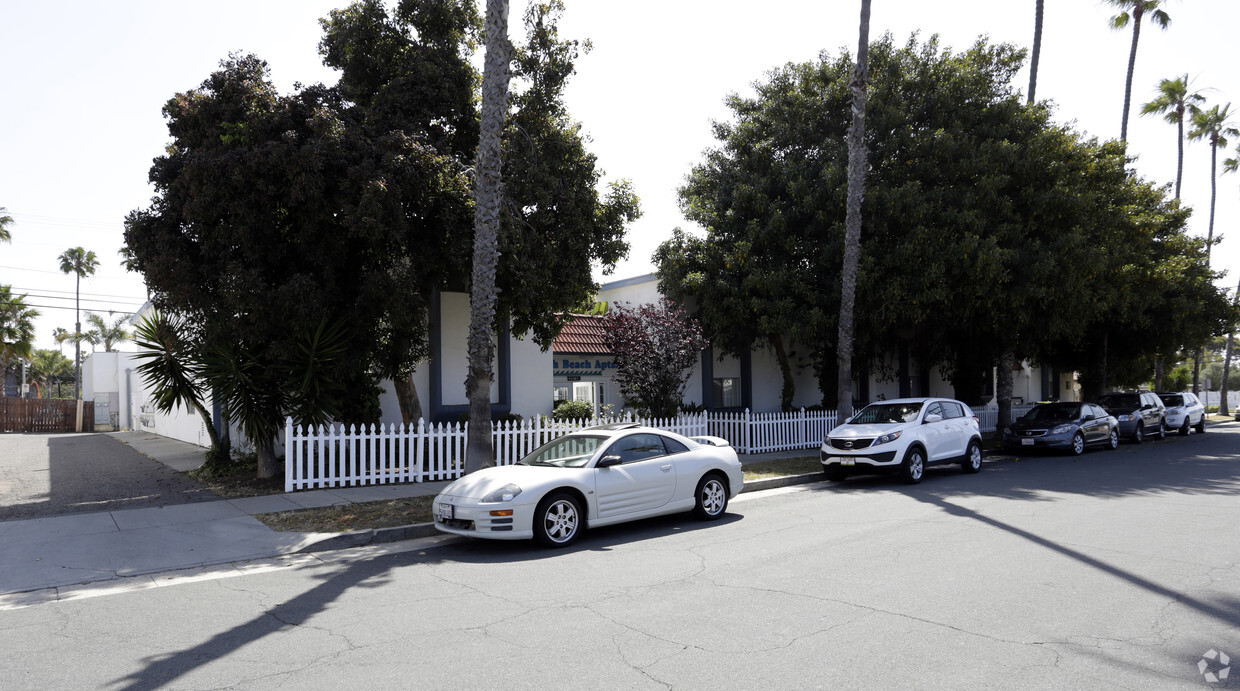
(857,156)
(268,464)
(407,397)
(1003,389)
(788,388)
(1213,194)
(1179,161)
(488,191)
(1137,12)
(1159,371)
(1231,337)
(1037,49)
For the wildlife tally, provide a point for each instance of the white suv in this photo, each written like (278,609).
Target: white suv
(1184,410)
(904,435)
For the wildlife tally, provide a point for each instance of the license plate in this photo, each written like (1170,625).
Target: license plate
(1027,442)
(847,461)
(446,511)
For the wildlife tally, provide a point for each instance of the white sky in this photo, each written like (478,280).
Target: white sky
(83,85)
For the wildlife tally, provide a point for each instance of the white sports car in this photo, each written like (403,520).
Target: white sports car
(594,477)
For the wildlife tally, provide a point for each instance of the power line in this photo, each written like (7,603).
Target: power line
(61,307)
(70,292)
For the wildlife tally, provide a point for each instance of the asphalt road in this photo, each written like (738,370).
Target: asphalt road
(1118,569)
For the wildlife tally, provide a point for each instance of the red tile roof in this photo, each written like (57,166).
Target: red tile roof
(583,334)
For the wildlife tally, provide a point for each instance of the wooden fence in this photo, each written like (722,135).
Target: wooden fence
(40,415)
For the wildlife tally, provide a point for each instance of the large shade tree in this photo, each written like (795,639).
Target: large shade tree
(983,218)
(345,209)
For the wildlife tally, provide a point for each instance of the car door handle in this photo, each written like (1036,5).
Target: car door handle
(666,468)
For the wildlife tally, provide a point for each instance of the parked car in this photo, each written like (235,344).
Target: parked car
(1063,426)
(1140,414)
(1184,411)
(904,436)
(595,477)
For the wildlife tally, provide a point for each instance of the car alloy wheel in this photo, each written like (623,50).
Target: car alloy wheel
(1114,443)
(1184,428)
(914,465)
(1162,428)
(1078,444)
(712,498)
(1138,436)
(972,458)
(557,522)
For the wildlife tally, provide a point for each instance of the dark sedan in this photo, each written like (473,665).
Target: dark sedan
(1063,426)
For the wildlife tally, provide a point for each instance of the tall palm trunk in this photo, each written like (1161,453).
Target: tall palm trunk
(1037,48)
(77,343)
(1132,63)
(1209,242)
(488,191)
(1231,338)
(1179,163)
(857,156)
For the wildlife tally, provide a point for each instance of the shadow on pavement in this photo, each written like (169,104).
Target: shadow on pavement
(58,475)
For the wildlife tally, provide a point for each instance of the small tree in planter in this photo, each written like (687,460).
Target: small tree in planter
(655,346)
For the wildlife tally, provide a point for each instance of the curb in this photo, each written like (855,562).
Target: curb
(378,536)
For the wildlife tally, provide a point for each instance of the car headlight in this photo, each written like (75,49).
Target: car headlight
(887,438)
(1126,417)
(1061,429)
(506,493)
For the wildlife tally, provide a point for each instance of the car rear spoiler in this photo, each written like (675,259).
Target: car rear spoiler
(711,441)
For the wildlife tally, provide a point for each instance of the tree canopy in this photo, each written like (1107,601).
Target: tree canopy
(347,207)
(989,228)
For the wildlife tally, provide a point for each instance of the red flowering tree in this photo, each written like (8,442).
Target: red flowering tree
(655,347)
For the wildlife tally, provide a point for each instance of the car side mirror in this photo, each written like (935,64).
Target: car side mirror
(608,461)
(1088,417)
(933,417)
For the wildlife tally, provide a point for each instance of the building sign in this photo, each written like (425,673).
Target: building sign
(595,366)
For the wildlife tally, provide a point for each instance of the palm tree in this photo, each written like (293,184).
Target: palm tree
(488,190)
(1213,125)
(107,334)
(1037,48)
(80,263)
(5,221)
(1134,11)
(48,367)
(857,155)
(1173,103)
(16,326)
(60,335)
(1230,165)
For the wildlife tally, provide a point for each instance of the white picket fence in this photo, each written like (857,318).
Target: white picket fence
(988,417)
(339,456)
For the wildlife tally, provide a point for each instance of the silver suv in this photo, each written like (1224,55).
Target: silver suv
(1140,414)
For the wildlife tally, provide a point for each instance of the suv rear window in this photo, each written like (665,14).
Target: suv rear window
(1172,399)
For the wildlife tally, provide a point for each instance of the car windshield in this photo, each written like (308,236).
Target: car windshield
(1172,399)
(886,413)
(565,452)
(1122,401)
(1054,411)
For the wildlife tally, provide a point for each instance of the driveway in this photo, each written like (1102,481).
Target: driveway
(45,475)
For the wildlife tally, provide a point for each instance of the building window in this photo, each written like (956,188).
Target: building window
(727,392)
(563,392)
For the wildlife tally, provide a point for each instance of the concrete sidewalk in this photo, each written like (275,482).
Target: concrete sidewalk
(69,556)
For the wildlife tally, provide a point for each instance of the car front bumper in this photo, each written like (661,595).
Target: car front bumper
(835,458)
(475,519)
(1045,441)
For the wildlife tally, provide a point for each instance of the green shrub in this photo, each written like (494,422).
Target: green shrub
(574,410)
